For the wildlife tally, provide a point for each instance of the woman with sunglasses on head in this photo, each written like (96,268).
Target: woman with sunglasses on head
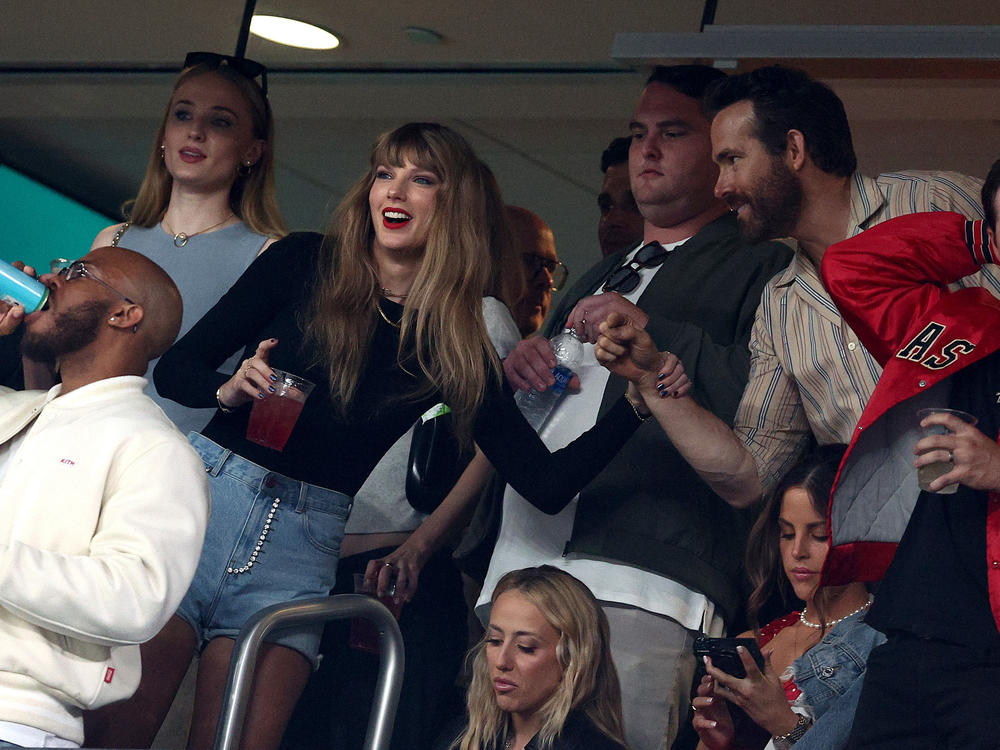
(206,206)
(384,315)
(542,675)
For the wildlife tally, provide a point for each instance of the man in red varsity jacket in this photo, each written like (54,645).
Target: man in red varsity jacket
(936,681)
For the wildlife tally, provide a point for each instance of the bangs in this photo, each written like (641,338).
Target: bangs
(411,143)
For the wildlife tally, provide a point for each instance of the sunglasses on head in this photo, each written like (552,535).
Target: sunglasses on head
(627,278)
(246,67)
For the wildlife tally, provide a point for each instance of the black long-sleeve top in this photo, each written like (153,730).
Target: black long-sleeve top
(338,452)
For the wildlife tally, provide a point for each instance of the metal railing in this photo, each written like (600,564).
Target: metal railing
(307,611)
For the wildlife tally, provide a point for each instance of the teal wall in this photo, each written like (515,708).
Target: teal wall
(41,224)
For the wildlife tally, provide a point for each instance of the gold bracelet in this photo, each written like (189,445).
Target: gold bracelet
(635,408)
(222,407)
(786,740)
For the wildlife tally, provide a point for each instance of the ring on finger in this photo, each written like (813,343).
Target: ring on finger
(388,564)
(951,457)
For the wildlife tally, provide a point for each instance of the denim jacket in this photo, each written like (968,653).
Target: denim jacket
(829,676)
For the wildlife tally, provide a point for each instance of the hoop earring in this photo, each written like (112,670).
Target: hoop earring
(245,169)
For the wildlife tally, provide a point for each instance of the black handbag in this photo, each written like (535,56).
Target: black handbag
(436,459)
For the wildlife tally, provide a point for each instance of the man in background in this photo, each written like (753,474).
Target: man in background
(535,245)
(620,225)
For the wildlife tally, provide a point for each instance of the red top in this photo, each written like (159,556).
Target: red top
(766,634)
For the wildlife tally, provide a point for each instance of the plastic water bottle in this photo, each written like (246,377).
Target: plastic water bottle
(535,405)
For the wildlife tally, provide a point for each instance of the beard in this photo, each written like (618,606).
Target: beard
(774,209)
(70,331)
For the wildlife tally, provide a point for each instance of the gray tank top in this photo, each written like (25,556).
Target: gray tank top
(203,270)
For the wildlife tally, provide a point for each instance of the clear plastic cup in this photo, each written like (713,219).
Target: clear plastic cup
(272,418)
(364,634)
(930,472)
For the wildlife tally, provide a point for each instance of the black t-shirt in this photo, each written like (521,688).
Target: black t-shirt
(936,586)
(338,452)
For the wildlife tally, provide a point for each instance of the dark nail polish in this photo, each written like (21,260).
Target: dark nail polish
(274,378)
(260,395)
(676,394)
(271,389)
(661,376)
(660,386)
(664,394)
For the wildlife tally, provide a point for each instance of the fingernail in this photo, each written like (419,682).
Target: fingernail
(260,395)
(271,389)
(661,376)
(676,394)
(664,394)
(274,341)
(740,649)
(704,659)
(708,701)
(660,386)
(274,378)
(713,724)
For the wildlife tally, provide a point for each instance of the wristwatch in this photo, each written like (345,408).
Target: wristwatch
(785,741)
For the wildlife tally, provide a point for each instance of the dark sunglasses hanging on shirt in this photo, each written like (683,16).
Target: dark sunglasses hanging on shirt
(627,278)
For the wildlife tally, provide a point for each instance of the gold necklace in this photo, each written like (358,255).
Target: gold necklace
(378,306)
(181,239)
(390,293)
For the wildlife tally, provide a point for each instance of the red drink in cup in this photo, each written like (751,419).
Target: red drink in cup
(364,634)
(273,417)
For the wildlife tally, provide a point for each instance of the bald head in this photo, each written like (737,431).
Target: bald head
(535,245)
(150,287)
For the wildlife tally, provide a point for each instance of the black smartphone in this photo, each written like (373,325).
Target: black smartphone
(722,652)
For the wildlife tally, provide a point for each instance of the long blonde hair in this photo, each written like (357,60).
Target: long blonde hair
(442,328)
(507,280)
(251,197)
(589,682)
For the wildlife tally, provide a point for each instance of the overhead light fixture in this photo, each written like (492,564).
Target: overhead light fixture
(812,42)
(293,33)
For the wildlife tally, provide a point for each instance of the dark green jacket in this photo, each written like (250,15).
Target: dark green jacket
(648,508)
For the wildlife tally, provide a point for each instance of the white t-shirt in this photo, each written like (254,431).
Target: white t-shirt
(529,537)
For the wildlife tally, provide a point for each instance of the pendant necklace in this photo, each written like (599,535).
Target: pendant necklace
(181,239)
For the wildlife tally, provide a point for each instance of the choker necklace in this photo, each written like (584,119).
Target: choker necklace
(378,306)
(390,293)
(808,624)
(181,239)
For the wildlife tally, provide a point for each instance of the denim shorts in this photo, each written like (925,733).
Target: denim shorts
(270,540)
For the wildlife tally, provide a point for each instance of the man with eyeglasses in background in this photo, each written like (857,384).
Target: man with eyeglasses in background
(543,273)
(103,503)
(660,551)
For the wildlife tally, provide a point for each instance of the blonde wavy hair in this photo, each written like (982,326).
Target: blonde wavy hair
(442,332)
(589,681)
(251,197)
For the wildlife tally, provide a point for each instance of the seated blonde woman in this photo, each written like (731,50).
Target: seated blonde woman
(542,677)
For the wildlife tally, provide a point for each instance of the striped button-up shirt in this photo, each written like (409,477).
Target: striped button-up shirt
(809,374)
